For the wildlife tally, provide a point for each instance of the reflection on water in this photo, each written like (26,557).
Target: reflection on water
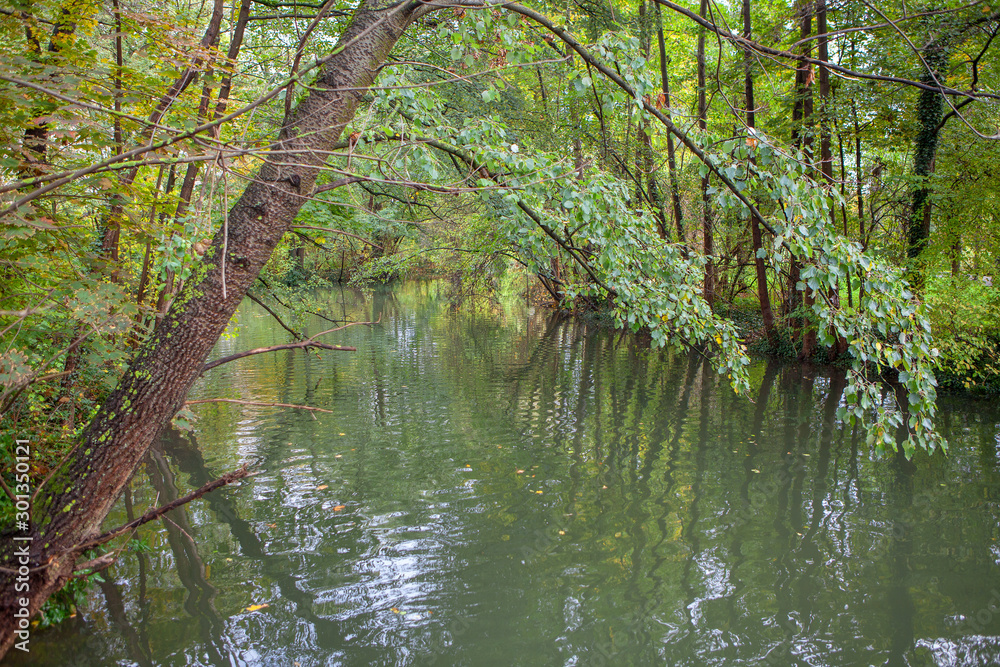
(519,488)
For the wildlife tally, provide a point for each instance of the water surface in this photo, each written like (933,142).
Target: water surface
(507,487)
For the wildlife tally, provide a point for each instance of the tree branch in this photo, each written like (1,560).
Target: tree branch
(228,478)
(264,403)
(302,344)
(274,315)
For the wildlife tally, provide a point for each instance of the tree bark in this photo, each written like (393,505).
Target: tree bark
(708,241)
(766,314)
(825,148)
(70,509)
(802,136)
(930,107)
(675,191)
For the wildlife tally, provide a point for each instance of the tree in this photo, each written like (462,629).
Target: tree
(603,242)
(68,514)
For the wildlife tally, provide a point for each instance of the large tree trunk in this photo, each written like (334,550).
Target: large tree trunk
(71,508)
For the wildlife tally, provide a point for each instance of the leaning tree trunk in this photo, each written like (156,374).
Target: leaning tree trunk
(71,508)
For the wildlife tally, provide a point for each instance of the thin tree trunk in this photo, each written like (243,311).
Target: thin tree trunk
(930,106)
(111,224)
(35,142)
(862,238)
(708,241)
(766,314)
(675,191)
(191,172)
(647,165)
(825,148)
(802,136)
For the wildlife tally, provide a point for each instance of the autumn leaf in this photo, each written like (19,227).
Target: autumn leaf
(339,507)
(322,486)
(257,607)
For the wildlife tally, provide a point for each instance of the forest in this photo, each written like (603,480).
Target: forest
(813,180)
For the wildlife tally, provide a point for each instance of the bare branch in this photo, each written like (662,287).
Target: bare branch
(301,345)
(274,315)
(228,478)
(263,403)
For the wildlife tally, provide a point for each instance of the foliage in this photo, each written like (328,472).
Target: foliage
(489,144)
(965,316)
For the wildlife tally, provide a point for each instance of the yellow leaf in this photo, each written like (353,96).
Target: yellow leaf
(396,611)
(322,486)
(258,607)
(339,507)
(718,339)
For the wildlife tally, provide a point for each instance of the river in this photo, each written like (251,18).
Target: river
(503,486)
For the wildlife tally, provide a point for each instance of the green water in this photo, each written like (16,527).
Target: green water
(511,488)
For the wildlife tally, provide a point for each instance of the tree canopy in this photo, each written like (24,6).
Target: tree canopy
(810,178)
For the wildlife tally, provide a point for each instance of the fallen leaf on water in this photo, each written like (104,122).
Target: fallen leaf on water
(339,507)
(341,434)
(519,472)
(322,486)
(539,492)
(396,611)
(272,525)
(338,456)
(258,607)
